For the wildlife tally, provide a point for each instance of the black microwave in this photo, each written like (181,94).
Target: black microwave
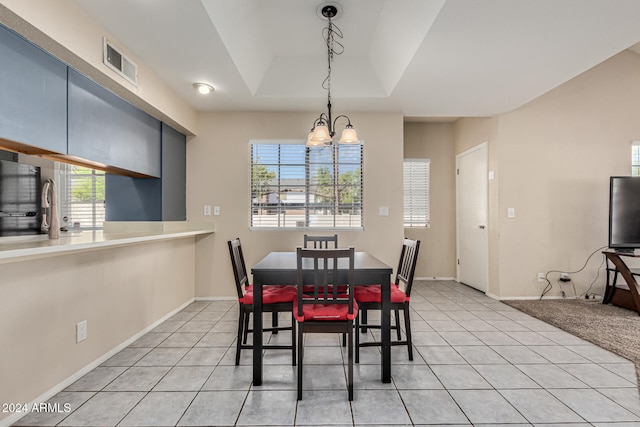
(20,204)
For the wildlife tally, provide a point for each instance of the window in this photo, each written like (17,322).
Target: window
(416,192)
(294,186)
(635,158)
(81,197)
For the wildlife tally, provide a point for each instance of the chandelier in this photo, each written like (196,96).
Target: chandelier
(324,128)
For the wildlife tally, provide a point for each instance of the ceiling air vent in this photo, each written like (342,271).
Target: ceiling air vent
(118,62)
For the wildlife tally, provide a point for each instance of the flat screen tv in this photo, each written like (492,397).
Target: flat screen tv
(624,213)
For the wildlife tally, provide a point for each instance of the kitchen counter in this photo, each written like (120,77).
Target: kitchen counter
(14,249)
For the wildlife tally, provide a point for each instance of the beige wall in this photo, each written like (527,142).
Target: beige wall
(218,162)
(434,141)
(553,158)
(119,291)
(64,30)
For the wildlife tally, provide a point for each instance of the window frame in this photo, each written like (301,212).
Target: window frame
(635,158)
(97,206)
(308,187)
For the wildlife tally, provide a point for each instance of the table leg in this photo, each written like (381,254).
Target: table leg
(386,328)
(257,332)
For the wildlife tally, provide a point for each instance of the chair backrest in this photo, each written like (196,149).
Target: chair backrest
(321,242)
(330,272)
(239,268)
(407,264)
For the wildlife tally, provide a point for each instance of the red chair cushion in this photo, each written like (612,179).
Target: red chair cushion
(329,312)
(373,293)
(271,294)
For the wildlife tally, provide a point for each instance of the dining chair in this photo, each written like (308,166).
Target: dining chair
(369,298)
(320,242)
(325,310)
(275,299)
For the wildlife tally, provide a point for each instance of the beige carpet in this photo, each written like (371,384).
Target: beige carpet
(613,328)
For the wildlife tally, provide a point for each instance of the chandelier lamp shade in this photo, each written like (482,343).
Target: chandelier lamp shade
(324,127)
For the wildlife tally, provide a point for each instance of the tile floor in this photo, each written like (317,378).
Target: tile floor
(477,362)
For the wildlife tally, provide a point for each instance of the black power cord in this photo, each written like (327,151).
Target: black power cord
(546,276)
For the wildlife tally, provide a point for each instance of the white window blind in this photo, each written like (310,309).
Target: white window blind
(81,197)
(635,158)
(416,192)
(294,186)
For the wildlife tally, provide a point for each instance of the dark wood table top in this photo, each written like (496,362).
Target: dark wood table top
(287,261)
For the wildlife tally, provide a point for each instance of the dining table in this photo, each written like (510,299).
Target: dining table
(280,268)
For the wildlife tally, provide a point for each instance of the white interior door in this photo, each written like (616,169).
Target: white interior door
(472,217)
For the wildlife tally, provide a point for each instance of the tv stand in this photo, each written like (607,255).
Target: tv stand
(625,250)
(618,296)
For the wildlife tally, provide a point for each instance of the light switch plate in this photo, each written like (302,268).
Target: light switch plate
(384,210)
(81,331)
(207,210)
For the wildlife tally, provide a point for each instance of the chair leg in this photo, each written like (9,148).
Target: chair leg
(398,331)
(357,345)
(246,329)
(293,340)
(407,328)
(344,340)
(350,368)
(300,357)
(363,329)
(274,322)
(240,333)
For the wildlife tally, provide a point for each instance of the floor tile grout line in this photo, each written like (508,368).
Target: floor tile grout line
(455,298)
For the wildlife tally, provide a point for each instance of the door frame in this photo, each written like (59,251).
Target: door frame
(482,145)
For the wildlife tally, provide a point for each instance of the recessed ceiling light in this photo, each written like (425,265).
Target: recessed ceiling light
(203,88)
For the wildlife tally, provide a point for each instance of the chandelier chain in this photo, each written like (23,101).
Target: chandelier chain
(334,47)
(323,128)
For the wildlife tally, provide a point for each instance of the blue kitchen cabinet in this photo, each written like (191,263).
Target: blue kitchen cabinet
(174,174)
(152,199)
(105,129)
(33,96)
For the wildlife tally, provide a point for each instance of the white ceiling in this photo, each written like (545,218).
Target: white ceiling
(423,58)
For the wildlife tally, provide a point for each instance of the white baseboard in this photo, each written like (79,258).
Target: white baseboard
(595,299)
(79,374)
(531,298)
(492,296)
(216,298)
(426,279)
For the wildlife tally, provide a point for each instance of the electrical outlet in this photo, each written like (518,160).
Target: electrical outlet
(540,277)
(81,331)
(564,276)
